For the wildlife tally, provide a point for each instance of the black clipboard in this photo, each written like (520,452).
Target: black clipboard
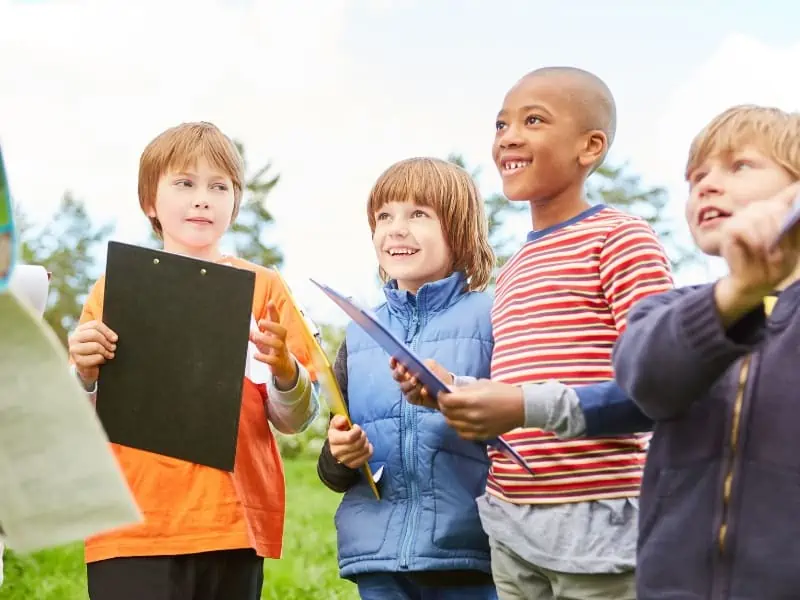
(174,386)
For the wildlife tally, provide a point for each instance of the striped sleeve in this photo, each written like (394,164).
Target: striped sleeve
(633,265)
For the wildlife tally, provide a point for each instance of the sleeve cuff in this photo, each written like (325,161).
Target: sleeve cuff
(553,407)
(294,394)
(701,325)
(91,391)
(461,380)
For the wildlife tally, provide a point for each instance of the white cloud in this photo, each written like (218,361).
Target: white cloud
(741,70)
(91,82)
(87,83)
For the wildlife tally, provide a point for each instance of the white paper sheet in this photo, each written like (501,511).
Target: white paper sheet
(59,480)
(31,284)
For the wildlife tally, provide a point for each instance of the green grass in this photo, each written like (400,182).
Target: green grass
(307,570)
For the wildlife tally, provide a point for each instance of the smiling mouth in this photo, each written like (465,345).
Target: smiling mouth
(710,215)
(199,221)
(401,251)
(512,166)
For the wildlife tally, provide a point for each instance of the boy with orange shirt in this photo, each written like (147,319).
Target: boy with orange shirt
(205,531)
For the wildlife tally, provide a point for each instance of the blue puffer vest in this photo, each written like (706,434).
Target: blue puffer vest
(427,518)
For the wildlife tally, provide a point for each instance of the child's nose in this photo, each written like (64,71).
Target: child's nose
(200,201)
(510,137)
(399,228)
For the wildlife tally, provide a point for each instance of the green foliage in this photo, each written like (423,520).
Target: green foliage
(616,186)
(67,247)
(249,228)
(308,568)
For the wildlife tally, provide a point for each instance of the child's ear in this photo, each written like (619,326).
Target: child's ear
(593,148)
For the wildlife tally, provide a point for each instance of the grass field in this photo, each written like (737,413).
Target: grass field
(307,571)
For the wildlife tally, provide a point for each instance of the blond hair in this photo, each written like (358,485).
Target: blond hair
(179,148)
(772,131)
(451,192)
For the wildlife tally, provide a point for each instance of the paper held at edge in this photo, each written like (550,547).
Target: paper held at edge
(59,479)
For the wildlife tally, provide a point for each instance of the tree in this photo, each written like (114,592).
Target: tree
(67,248)
(616,186)
(254,218)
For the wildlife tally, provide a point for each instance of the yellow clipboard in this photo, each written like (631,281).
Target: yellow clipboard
(325,375)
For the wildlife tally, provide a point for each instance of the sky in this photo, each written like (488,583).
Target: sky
(334,91)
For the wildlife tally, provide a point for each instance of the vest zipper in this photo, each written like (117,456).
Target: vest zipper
(408,415)
(727,485)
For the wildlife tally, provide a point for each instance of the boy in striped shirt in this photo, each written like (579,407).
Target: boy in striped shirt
(560,304)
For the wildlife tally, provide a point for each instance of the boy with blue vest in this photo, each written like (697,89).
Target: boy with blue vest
(423,538)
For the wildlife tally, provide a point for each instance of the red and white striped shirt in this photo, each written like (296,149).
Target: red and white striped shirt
(560,304)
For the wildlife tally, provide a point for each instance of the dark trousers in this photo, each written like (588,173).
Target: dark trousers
(221,575)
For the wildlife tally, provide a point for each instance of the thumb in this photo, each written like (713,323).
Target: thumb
(340,422)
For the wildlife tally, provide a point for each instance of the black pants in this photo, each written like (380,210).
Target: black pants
(222,575)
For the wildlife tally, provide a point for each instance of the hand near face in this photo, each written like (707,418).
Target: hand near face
(756,266)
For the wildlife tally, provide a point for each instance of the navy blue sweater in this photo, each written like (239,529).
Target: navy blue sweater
(720,498)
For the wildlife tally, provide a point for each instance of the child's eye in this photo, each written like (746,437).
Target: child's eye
(382,216)
(499,125)
(741,164)
(221,186)
(419,213)
(533,120)
(183,183)
(696,177)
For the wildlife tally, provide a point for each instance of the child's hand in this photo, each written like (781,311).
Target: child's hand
(484,409)
(756,268)
(349,445)
(270,339)
(91,345)
(413,390)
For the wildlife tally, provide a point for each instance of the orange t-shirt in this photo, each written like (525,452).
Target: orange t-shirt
(190,508)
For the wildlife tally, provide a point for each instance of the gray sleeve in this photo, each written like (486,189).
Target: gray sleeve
(551,406)
(554,407)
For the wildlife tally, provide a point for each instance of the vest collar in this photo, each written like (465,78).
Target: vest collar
(431,297)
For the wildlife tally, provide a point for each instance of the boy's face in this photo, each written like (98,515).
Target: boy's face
(723,184)
(194,207)
(538,144)
(410,244)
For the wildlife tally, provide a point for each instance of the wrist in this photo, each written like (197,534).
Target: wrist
(734,301)
(286,380)
(88,382)
(515,407)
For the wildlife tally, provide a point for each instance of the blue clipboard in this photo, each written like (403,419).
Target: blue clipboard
(367,320)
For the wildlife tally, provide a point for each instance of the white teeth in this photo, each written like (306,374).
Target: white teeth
(513,165)
(401,251)
(711,213)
